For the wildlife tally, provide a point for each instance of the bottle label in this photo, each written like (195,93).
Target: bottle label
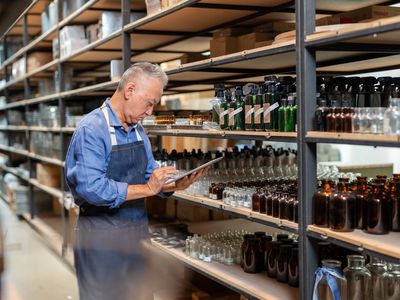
(231,119)
(222,113)
(235,112)
(266,111)
(257,111)
(271,108)
(249,111)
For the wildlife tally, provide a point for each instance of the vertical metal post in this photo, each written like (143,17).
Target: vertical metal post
(306,84)
(126,37)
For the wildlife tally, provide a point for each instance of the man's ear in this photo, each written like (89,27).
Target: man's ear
(129,90)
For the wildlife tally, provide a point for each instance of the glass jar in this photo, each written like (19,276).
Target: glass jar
(342,209)
(377,268)
(378,208)
(253,256)
(358,278)
(361,195)
(244,246)
(283,262)
(293,268)
(391,123)
(330,272)
(272,259)
(321,204)
(391,281)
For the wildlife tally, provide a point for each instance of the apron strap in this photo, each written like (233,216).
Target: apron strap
(111,129)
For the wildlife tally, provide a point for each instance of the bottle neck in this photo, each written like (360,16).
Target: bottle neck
(355,261)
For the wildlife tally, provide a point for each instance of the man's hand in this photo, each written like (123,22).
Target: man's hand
(186,181)
(158,178)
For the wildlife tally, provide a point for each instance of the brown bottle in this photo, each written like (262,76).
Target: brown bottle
(263,202)
(243,248)
(255,203)
(268,202)
(290,205)
(361,195)
(341,119)
(395,196)
(321,204)
(341,209)
(284,206)
(348,118)
(254,256)
(267,245)
(379,210)
(275,204)
(396,177)
(331,120)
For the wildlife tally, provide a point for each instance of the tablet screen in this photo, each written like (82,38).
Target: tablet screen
(180,176)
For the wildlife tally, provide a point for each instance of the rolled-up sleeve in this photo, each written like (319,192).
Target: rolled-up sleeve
(86,172)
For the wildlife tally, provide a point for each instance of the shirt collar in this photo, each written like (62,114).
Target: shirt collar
(114,120)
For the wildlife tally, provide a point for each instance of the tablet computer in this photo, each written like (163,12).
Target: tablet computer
(180,176)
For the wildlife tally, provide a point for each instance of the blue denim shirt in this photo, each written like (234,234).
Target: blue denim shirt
(88,157)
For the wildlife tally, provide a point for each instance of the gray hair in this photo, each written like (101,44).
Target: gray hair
(138,69)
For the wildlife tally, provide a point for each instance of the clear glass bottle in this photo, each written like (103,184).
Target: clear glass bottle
(322,290)
(391,281)
(391,123)
(358,278)
(377,267)
(356,121)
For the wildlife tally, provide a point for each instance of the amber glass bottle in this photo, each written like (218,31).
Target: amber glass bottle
(263,202)
(378,210)
(395,196)
(342,209)
(255,203)
(361,195)
(330,119)
(348,120)
(321,204)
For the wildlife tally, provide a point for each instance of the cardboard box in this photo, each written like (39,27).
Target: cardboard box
(222,46)
(357,15)
(38,59)
(233,31)
(48,174)
(92,32)
(191,57)
(248,41)
(277,27)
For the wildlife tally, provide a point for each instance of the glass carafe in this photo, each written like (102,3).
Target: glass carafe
(391,281)
(329,281)
(321,204)
(341,209)
(391,123)
(358,278)
(377,268)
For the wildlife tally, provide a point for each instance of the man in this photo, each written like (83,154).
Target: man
(110,169)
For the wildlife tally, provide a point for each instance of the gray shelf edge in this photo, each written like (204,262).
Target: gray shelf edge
(352,247)
(353,34)
(235,214)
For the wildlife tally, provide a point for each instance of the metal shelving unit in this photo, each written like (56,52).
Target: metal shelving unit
(188,25)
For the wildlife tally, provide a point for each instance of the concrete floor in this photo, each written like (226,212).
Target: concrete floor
(32,271)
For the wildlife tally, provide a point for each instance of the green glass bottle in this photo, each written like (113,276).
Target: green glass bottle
(271,104)
(281,115)
(237,112)
(249,109)
(216,102)
(224,111)
(293,115)
(288,112)
(258,108)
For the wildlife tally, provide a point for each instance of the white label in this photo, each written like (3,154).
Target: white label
(225,112)
(249,112)
(271,108)
(259,111)
(235,112)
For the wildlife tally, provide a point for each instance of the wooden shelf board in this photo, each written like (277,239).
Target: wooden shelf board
(344,5)
(265,3)
(256,285)
(387,244)
(43,128)
(147,41)
(51,190)
(226,134)
(195,44)
(77,13)
(155,57)
(354,136)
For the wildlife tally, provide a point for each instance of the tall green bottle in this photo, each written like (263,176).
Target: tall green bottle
(271,103)
(282,110)
(236,110)
(249,109)
(224,111)
(258,108)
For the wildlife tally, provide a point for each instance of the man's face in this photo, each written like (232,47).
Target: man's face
(140,98)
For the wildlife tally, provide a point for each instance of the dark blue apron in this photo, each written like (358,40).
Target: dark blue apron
(109,260)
